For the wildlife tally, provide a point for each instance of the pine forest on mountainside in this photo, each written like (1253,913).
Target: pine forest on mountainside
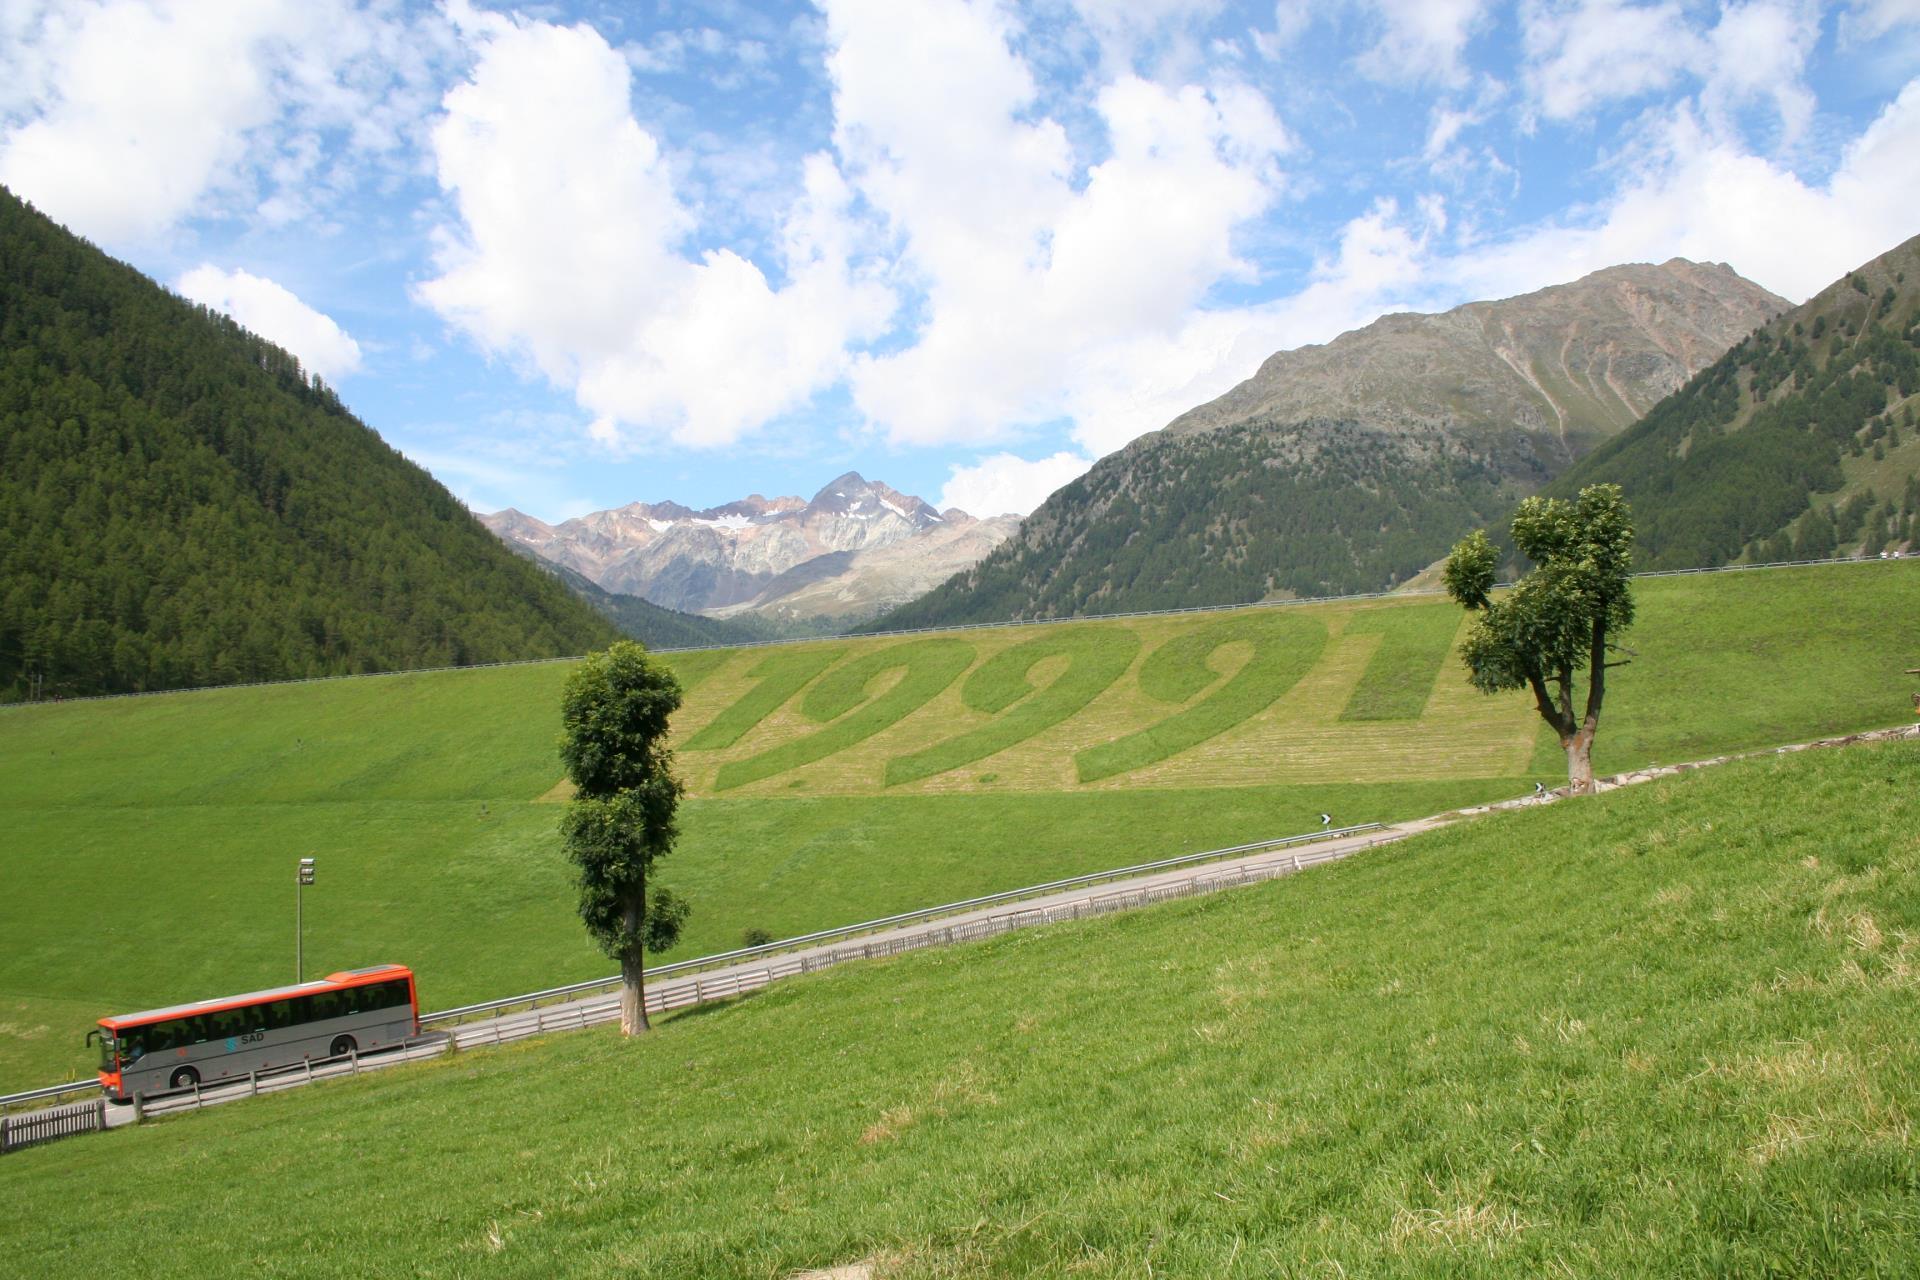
(182,505)
(1799,443)
(1230,516)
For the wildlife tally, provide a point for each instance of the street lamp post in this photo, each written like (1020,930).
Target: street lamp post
(300,882)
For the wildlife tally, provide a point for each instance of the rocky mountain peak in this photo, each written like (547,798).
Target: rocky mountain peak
(662,511)
(853,495)
(522,524)
(1570,364)
(858,547)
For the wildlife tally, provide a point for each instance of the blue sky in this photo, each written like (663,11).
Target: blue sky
(574,255)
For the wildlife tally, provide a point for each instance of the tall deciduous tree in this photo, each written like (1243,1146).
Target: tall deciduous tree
(614,713)
(1560,619)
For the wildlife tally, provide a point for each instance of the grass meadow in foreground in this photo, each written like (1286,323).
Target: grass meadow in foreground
(149,842)
(1667,1031)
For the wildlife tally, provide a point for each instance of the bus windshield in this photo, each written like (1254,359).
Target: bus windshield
(109,1055)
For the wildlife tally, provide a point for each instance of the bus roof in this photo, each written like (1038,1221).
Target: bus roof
(348,978)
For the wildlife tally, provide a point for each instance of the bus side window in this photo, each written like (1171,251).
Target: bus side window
(278,1015)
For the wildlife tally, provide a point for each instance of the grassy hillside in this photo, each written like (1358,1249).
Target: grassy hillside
(1663,1032)
(182,505)
(151,840)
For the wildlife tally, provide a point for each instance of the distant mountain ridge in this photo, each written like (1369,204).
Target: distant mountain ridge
(1567,365)
(855,549)
(1799,443)
(645,621)
(182,505)
(1352,465)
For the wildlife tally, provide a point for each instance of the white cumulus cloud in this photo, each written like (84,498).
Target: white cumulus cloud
(572,248)
(1004,483)
(121,118)
(1037,280)
(150,109)
(1587,53)
(276,314)
(1705,197)
(1865,20)
(1760,53)
(1421,40)
(1595,51)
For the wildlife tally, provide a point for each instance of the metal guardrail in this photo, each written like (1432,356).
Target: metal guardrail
(1401,594)
(1772,564)
(888,922)
(273,1079)
(51,1091)
(254,1082)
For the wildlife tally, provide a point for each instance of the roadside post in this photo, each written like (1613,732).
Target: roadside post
(300,882)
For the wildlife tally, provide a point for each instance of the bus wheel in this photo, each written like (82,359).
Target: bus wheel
(185,1078)
(342,1046)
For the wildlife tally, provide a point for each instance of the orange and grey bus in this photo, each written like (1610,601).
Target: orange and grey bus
(192,1044)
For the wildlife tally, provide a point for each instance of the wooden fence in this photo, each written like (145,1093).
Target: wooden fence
(54,1122)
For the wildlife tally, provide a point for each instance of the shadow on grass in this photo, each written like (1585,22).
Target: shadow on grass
(711,1007)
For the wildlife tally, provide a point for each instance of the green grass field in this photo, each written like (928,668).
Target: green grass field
(150,841)
(1668,1031)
